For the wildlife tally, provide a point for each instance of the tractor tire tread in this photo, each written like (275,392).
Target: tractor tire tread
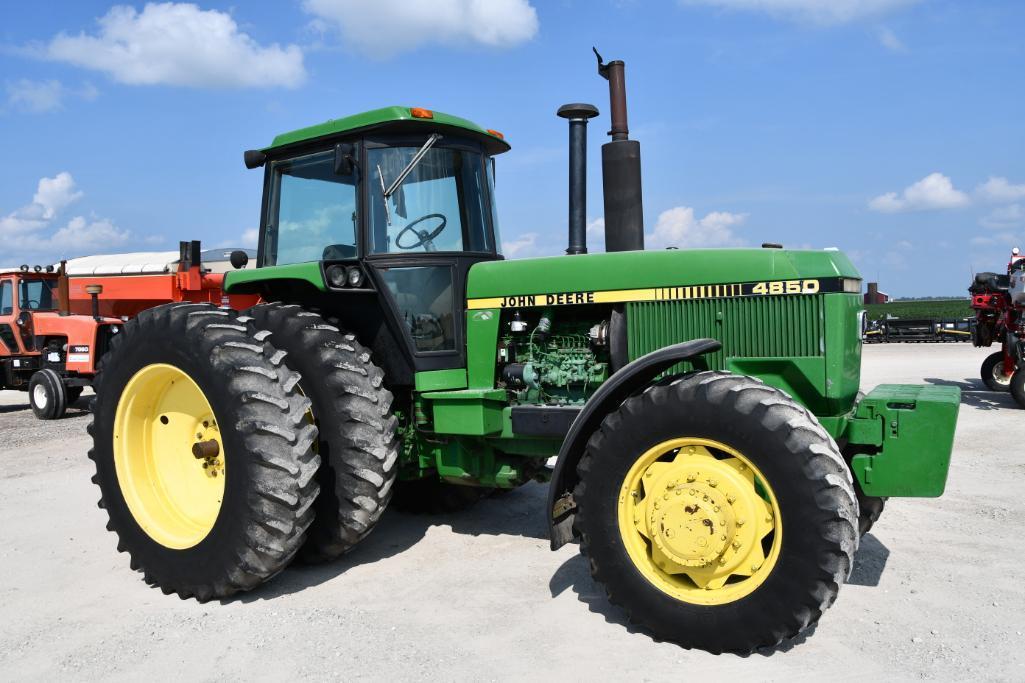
(277,505)
(822,468)
(357,430)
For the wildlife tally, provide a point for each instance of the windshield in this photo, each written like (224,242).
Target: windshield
(440,206)
(37,295)
(313,212)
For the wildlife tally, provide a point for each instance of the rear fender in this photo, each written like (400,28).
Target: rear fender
(632,378)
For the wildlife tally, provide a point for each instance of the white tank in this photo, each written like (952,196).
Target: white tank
(1017,289)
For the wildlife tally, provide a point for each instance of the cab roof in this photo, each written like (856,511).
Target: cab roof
(397,118)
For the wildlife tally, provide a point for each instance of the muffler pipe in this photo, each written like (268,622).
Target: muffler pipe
(621,169)
(577,114)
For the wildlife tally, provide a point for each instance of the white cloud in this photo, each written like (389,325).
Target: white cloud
(251,237)
(54,194)
(523,246)
(999,239)
(39,97)
(24,232)
(1004,217)
(677,227)
(889,40)
(386,27)
(823,12)
(998,189)
(178,44)
(35,96)
(81,235)
(935,191)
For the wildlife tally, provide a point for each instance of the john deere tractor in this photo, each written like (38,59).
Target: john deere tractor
(712,453)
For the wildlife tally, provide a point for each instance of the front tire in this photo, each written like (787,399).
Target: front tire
(203,456)
(717,512)
(1017,387)
(358,445)
(47,395)
(992,373)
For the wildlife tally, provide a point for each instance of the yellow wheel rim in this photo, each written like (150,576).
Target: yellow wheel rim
(700,521)
(173,491)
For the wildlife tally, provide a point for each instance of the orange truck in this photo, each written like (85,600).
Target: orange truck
(56,323)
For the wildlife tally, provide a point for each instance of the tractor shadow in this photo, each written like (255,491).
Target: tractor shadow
(516,513)
(574,574)
(976,394)
(77,409)
(869,562)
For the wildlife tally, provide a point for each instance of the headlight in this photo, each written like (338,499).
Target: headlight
(851,286)
(114,329)
(354,276)
(336,276)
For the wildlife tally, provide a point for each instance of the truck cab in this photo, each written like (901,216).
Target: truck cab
(43,349)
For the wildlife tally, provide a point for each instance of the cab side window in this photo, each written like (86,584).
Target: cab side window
(6,303)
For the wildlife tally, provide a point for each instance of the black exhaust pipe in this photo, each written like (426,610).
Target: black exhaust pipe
(621,169)
(577,114)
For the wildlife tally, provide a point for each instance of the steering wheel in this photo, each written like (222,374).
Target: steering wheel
(33,304)
(423,237)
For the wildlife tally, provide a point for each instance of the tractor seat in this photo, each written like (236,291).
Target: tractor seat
(990,282)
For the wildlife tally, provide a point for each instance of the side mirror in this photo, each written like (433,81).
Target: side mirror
(345,161)
(239,259)
(254,158)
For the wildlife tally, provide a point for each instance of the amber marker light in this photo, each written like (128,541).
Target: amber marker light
(496,134)
(419,113)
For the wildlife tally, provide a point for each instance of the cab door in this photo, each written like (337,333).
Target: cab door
(9,338)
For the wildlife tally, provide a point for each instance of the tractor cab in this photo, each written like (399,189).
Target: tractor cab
(22,293)
(388,209)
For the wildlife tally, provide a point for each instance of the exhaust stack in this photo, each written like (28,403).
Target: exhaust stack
(621,168)
(577,114)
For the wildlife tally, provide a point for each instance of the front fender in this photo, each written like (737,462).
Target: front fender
(630,379)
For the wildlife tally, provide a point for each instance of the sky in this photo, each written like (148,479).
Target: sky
(891,129)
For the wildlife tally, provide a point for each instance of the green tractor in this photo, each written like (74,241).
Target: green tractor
(697,413)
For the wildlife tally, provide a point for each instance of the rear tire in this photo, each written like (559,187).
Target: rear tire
(357,443)
(221,542)
(47,395)
(1017,387)
(797,574)
(992,373)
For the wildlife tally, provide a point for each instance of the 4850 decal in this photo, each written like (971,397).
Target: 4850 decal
(786,287)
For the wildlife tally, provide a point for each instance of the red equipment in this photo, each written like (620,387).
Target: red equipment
(999,303)
(56,324)
(131,283)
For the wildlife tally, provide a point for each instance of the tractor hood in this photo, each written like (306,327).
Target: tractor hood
(638,275)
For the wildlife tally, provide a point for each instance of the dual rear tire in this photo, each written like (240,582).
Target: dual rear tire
(205,512)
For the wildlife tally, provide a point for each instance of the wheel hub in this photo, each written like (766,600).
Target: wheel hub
(698,520)
(691,523)
(169,457)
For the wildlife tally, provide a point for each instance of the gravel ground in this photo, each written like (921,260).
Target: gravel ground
(936,591)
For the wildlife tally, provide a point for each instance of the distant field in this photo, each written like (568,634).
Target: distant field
(951,308)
